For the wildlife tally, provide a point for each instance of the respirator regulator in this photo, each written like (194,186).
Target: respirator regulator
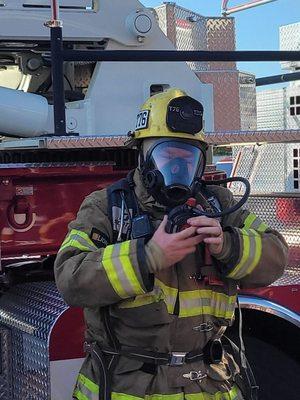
(178,216)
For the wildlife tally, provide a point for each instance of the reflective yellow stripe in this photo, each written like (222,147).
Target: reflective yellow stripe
(254,222)
(258,252)
(160,292)
(231,395)
(252,250)
(123,396)
(120,271)
(170,295)
(88,383)
(143,299)
(200,302)
(249,220)
(206,310)
(111,272)
(77,394)
(86,389)
(245,255)
(128,268)
(177,396)
(76,244)
(262,227)
(79,240)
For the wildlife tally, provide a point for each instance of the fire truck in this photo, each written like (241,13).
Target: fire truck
(68,96)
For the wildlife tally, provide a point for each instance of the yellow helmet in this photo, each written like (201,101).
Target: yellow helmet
(170,114)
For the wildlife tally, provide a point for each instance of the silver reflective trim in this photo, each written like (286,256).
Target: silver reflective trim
(259,304)
(256,223)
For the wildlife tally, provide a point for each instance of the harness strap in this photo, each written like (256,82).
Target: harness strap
(212,353)
(122,206)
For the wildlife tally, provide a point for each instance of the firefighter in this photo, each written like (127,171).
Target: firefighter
(157,304)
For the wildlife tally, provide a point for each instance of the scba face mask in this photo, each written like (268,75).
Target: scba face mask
(170,169)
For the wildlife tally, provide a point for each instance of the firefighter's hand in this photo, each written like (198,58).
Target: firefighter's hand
(211,231)
(173,247)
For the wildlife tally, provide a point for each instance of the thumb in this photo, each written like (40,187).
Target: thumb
(163,223)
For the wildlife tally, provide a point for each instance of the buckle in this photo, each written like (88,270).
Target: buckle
(177,358)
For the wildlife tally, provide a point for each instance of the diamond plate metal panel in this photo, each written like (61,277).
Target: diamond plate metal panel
(271,109)
(6,370)
(293,167)
(226,99)
(292,106)
(221,36)
(268,167)
(279,108)
(239,137)
(65,142)
(191,34)
(161,15)
(191,31)
(290,40)
(244,161)
(29,311)
(247,101)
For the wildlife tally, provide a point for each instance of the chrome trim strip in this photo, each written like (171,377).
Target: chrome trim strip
(257,303)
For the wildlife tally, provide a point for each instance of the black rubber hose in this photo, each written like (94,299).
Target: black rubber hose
(230,209)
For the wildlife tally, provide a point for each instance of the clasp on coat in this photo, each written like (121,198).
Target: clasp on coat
(205,327)
(195,375)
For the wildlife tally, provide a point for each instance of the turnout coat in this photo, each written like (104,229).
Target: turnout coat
(180,309)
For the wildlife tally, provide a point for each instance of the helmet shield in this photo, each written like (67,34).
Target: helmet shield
(172,166)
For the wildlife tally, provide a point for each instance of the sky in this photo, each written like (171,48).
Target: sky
(256,28)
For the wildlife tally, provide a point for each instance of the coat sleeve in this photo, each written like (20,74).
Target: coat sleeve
(253,253)
(91,272)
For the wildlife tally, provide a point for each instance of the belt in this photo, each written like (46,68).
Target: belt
(172,359)
(212,353)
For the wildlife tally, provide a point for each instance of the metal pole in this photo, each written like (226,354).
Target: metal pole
(269,80)
(246,6)
(175,55)
(55,10)
(57,70)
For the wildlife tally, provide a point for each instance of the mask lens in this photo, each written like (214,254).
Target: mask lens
(178,162)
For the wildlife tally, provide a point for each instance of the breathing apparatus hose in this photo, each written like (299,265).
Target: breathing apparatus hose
(230,209)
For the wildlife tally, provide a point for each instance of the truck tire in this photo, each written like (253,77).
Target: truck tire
(277,374)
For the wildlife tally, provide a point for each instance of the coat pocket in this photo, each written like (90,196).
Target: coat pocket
(145,316)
